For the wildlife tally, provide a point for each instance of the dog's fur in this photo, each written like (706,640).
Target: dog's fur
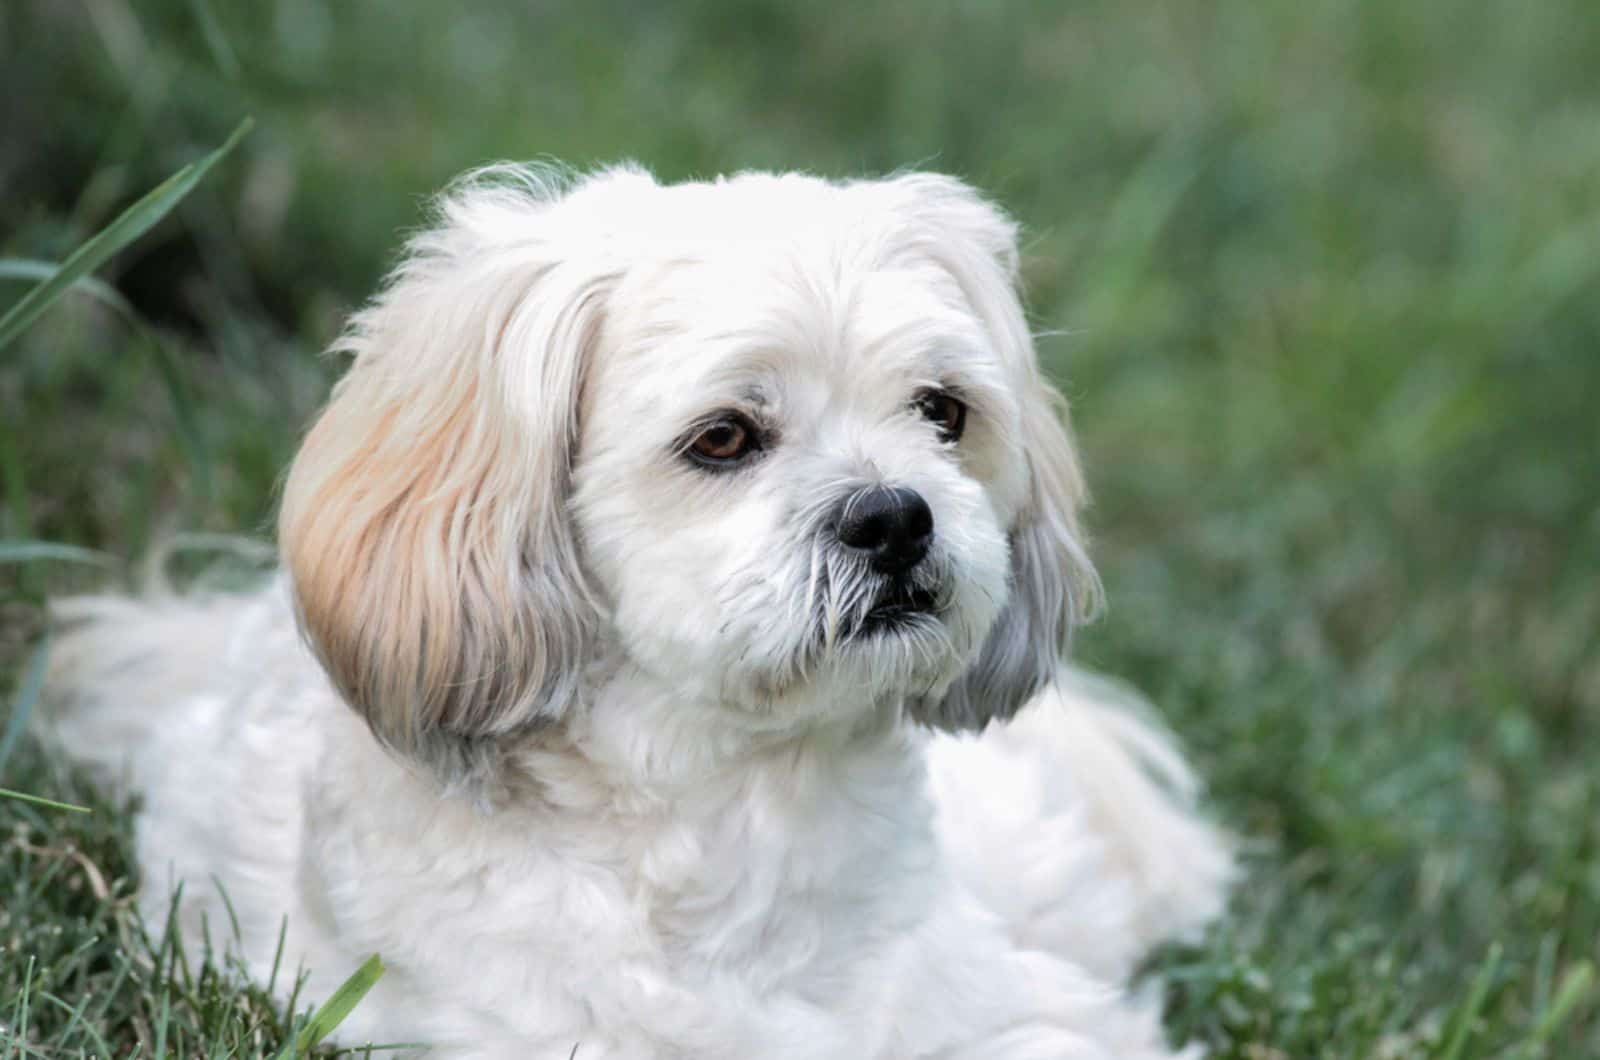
(595,745)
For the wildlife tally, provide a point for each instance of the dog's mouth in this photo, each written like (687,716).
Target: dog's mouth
(898,606)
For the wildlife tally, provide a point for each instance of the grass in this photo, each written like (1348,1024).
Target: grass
(1326,278)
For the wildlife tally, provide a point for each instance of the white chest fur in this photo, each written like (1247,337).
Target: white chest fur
(702,894)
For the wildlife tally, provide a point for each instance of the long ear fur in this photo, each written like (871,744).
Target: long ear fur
(1053,584)
(424,520)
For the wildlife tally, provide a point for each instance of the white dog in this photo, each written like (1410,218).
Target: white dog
(649,561)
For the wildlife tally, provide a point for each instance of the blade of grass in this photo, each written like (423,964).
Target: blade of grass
(163,1015)
(238,544)
(227,904)
(21,1020)
(36,271)
(7,793)
(335,1009)
(33,551)
(27,695)
(1575,989)
(16,485)
(222,52)
(134,222)
(77,1020)
(277,953)
(18,520)
(1467,1015)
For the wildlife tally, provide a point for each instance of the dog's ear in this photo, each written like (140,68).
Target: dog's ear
(1053,585)
(424,521)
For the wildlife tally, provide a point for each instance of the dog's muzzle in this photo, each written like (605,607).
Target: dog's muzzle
(891,527)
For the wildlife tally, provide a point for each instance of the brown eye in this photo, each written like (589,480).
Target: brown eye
(723,442)
(945,411)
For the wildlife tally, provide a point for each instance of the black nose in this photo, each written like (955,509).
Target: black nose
(892,524)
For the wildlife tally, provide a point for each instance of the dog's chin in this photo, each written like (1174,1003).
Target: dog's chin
(895,651)
(902,645)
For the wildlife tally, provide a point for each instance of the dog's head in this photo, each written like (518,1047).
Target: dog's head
(778,443)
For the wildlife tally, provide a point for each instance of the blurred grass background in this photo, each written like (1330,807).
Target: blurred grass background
(1324,283)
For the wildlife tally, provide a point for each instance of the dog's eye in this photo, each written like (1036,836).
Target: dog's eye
(724,441)
(945,411)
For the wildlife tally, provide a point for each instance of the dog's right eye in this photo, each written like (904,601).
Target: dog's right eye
(724,442)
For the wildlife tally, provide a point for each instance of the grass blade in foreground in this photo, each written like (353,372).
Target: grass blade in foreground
(30,551)
(1576,987)
(1466,1017)
(134,222)
(36,271)
(335,1009)
(19,796)
(28,689)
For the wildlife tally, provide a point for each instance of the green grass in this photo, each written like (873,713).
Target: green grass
(1326,278)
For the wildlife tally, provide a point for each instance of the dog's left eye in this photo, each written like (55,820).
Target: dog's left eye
(723,442)
(945,411)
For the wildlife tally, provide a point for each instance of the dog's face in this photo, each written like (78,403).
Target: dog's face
(778,443)
(799,458)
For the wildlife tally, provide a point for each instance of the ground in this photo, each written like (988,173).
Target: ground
(1321,279)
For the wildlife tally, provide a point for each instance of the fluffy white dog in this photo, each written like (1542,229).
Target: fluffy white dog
(641,577)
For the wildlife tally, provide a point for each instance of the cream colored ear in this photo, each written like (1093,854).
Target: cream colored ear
(1053,584)
(424,520)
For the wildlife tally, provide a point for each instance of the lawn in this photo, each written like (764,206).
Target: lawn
(1322,280)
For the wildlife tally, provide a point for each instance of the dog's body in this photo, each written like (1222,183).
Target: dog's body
(634,766)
